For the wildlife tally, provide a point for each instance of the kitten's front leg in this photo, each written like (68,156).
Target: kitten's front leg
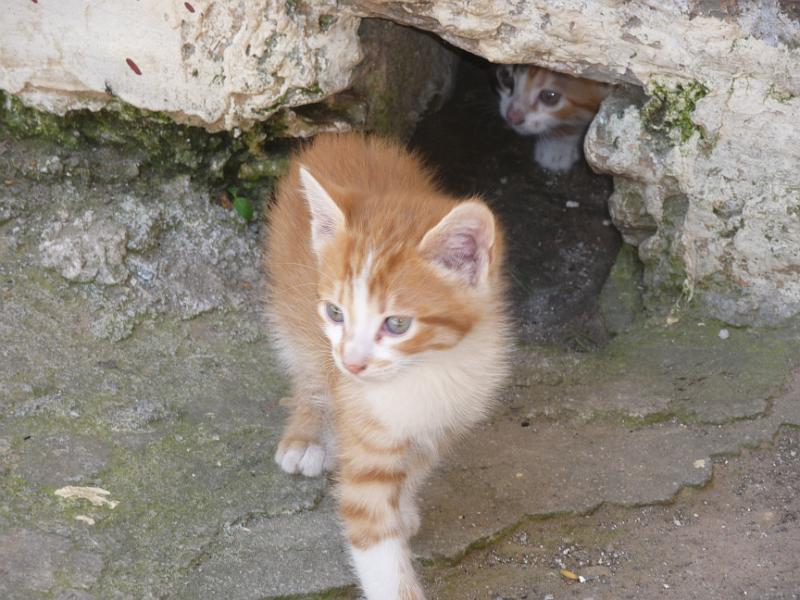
(306,446)
(419,467)
(371,485)
(559,153)
(385,571)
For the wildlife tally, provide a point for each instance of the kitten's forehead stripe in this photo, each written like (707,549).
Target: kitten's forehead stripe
(461,326)
(372,281)
(383,275)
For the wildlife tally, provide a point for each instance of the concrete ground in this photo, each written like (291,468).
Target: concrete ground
(660,462)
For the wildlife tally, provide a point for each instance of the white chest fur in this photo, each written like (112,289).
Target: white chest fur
(447,391)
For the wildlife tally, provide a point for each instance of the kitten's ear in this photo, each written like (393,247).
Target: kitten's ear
(326,217)
(461,244)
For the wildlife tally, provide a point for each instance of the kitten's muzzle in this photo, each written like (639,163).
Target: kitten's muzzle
(355,368)
(514,115)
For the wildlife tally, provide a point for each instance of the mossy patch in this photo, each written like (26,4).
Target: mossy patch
(621,296)
(669,110)
(160,143)
(692,374)
(326,22)
(779,94)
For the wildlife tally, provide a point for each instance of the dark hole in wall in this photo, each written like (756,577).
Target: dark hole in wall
(559,254)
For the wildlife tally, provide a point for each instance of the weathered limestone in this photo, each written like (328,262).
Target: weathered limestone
(705,173)
(405,72)
(718,217)
(215,64)
(86,250)
(710,196)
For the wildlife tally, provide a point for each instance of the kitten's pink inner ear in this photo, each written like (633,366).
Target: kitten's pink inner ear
(461,243)
(326,216)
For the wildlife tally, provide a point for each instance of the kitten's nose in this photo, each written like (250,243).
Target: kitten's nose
(514,115)
(355,368)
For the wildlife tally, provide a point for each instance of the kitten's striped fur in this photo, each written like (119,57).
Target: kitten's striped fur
(360,224)
(555,107)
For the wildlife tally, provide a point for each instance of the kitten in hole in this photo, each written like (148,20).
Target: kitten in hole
(555,107)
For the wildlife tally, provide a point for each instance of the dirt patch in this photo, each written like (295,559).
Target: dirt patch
(735,538)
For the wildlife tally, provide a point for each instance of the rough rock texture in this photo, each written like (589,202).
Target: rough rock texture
(717,217)
(216,64)
(404,73)
(145,247)
(621,297)
(709,193)
(86,249)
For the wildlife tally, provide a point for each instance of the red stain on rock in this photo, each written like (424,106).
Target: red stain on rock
(134,67)
(189,7)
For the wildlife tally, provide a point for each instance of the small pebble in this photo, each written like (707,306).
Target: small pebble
(144,274)
(724,334)
(572,204)
(504,180)
(606,222)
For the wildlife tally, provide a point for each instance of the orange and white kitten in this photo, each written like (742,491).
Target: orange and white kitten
(387,300)
(555,107)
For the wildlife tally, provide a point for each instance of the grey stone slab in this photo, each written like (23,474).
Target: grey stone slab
(60,459)
(684,369)
(32,562)
(506,471)
(288,554)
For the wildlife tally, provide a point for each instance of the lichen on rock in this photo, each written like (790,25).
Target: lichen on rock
(669,110)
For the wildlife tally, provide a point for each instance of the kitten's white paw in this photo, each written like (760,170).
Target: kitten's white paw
(557,154)
(299,457)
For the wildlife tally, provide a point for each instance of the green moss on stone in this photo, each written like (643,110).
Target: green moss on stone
(255,168)
(326,22)
(669,111)
(22,121)
(778,94)
(293,6)
(621,296)
(154,138)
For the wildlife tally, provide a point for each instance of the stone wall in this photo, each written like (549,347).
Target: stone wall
(215,64)
(706,173)
(705,169)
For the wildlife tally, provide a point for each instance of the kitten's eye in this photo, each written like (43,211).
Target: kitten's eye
(549,97)
(397,325)
(334,313)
